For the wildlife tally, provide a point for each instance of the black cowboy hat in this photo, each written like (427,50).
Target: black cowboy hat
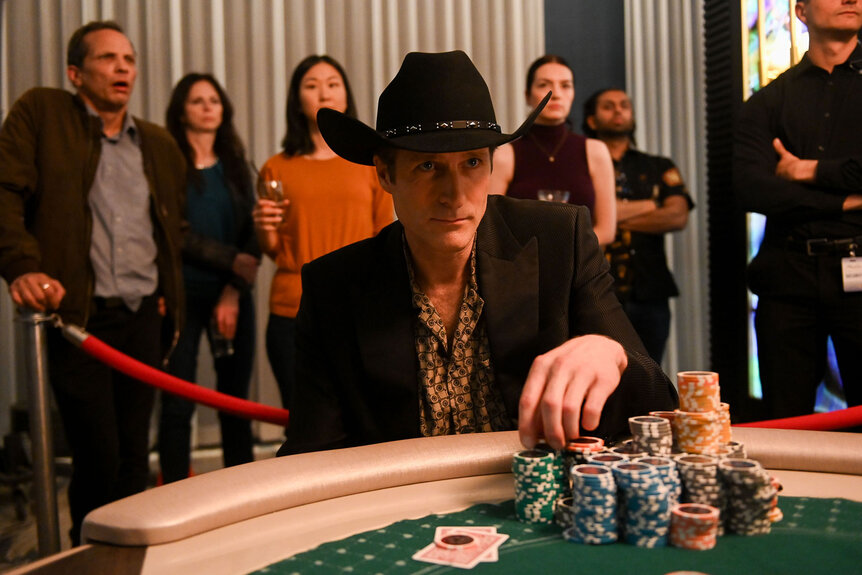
(436,103)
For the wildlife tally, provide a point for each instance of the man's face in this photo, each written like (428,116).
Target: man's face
(107,76)
(831,16)
(613,117)
(439,198)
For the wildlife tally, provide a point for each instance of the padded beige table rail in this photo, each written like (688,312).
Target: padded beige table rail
(243,518)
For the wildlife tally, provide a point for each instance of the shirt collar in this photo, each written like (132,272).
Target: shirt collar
(854,61)
(129,126)
(472,283)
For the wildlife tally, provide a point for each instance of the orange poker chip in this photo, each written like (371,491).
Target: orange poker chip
(698,391)
(694,526)
(697,432)
(586,443)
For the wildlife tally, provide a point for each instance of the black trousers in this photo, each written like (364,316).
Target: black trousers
(792,332)
(233,375)
(106,415)
(651,319)
(281,351)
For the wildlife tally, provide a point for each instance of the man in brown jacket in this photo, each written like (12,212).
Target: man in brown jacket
(91,204)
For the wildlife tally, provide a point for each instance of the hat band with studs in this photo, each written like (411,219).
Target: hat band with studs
(452,125)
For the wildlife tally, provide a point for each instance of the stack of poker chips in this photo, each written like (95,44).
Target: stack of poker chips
(576,452)
(694,526)
(628,449)
(563,511)
(698,391)
(723,451)
(752,495)
(698,432)
(700,481)
(606,459)
(698,424)
(537,485)
(724,419)
(647,510)
(651,434)
(594,505)
(669,415)
(667,472)
(737,449)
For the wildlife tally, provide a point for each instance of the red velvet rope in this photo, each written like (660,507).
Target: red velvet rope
(839,419)
(166,382)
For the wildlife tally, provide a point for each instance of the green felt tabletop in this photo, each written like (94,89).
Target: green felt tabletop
(816,536)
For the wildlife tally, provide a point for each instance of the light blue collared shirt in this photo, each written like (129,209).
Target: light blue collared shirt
(122,249)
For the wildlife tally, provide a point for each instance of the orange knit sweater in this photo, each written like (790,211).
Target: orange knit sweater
(332,203)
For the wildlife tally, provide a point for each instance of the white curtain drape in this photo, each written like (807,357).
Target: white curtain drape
(252,46)
(665,79)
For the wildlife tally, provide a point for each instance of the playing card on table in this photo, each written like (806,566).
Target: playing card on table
(490,555)
(463,556)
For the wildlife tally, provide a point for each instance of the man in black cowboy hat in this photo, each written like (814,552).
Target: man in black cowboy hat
(470,313)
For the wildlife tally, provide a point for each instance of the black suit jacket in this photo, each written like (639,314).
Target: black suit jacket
(544,280)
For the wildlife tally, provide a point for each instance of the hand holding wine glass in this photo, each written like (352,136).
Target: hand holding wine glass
(271,190)
(268,212)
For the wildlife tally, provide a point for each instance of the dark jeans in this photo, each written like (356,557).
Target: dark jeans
(233,374)
(281,350)
(651,320)
(106,415)
(791,349)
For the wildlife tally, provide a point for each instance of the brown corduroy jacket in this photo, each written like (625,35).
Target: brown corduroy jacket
(49,151)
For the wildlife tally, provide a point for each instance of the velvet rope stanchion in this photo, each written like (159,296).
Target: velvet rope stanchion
(166,382)
(839,419)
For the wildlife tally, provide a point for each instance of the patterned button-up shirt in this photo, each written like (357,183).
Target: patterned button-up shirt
(456,386)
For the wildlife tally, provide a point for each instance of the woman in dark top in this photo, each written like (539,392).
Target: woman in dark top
(552,157)
(220,261)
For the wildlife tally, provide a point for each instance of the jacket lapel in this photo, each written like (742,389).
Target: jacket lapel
(509,284)
(385,318)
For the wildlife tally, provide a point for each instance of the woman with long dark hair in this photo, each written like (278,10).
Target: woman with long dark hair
(327,203)
(552,157)
(220,261)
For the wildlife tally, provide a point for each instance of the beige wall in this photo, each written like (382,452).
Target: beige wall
(252,46)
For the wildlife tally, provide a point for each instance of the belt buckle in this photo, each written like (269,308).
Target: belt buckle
(823,242)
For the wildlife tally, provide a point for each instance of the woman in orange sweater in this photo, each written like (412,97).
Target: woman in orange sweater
(328,203)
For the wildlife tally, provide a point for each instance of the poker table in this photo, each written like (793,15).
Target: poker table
(368,509)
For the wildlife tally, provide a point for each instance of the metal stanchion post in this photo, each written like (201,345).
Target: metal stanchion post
(48,528)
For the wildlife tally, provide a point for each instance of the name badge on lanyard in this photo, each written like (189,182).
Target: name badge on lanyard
(851,273)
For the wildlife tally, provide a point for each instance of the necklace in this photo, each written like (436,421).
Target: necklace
(205,166)
(552,155)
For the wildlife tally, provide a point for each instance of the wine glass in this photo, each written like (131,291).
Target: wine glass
(553,195)
(271,190)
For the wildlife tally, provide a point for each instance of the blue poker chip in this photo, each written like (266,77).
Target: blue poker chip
(646,517)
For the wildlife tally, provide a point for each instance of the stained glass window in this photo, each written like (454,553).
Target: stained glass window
(774,39)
